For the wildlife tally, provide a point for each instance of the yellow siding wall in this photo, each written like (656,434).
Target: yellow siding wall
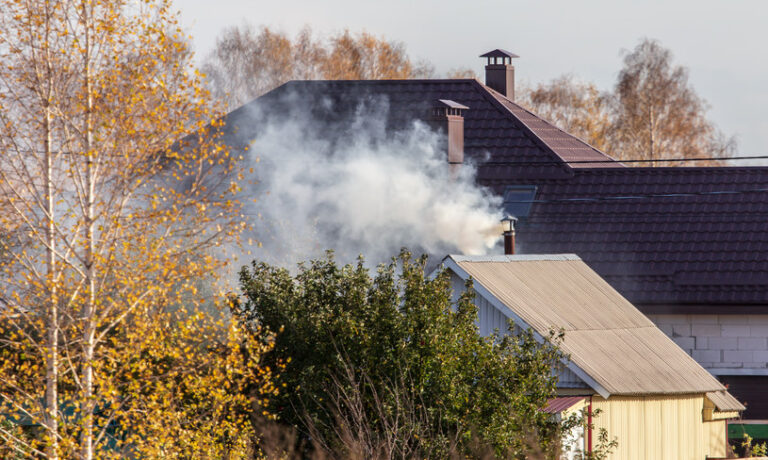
(659,428)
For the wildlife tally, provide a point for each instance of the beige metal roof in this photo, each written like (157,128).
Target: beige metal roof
(725,402)
(605,335)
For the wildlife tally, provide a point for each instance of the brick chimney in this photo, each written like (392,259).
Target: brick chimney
(500,73)
(449,116)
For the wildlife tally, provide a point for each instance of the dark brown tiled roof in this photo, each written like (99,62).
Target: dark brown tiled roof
(659,235)
(567,146)
(496,130)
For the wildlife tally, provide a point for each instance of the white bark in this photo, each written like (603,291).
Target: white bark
(52,332)
(89,314)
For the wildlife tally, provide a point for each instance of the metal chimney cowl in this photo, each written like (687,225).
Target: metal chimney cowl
(508,227)
(500,73)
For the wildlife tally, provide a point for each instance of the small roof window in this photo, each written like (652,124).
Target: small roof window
(518,200)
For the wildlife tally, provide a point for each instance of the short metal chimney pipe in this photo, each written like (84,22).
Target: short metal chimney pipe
(449,116)
(508,227)
(500,73)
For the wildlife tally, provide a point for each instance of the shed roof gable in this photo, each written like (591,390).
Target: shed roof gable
(612,346)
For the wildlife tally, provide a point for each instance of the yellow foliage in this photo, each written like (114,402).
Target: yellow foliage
(114,191)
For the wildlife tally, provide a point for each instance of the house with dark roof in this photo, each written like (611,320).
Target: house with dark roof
(653,398)
(687,246)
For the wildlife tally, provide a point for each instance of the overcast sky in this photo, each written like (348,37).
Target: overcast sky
(723,43)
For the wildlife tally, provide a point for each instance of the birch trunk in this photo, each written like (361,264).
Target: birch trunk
(52,333)
(52,320)
(89,315)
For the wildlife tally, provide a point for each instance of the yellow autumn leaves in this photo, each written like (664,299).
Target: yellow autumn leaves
(115,189)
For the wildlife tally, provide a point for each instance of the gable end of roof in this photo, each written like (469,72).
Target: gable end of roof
(611,345)
(452,265)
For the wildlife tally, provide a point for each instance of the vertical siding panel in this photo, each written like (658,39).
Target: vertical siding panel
(485,320)
(489,318)
(501,322)
(652,415)
(493,318)
(659,428)
(668,436)
(637,424)
(714,431)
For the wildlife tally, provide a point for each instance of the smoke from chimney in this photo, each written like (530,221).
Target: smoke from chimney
(362,189)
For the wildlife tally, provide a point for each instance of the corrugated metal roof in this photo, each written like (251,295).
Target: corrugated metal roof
(513,257)
(605,335)
(725,402)
(557,405)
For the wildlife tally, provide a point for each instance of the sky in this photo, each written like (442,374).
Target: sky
(724,44)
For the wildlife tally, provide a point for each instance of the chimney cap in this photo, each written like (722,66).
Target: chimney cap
(499,53)
(508,223)
(451,104)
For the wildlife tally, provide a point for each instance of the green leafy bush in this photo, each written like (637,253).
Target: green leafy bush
(386,365)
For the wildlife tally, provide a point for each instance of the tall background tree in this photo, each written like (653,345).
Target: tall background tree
(653,112)
(248,62)
(109,226)
(658,114)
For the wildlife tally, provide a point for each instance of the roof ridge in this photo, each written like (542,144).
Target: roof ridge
(504,99)
(673,169)
(388,80)
(514,258)
(489,93)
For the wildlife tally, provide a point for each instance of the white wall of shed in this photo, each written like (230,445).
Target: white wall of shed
(723,344)
(574,444)
(490,319)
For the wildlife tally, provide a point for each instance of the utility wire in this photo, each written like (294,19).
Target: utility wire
(642,197)
(610,161)
(551,162)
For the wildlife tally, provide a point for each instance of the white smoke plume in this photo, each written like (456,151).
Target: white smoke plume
(363,191)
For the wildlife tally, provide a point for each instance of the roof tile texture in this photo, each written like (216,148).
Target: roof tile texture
(491,133)
(699,247)
(661,235)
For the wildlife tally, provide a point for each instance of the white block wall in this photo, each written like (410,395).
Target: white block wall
(724,344)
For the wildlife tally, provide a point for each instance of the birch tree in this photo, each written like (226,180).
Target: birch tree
(115,195)
(658,113)
(653,112)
